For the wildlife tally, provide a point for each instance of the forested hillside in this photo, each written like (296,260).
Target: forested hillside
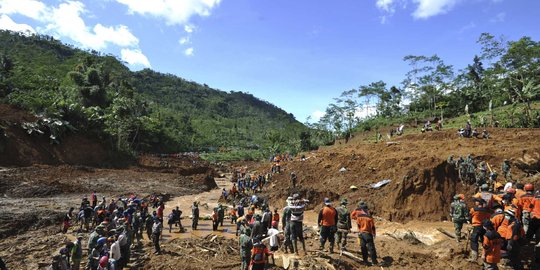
(142,111)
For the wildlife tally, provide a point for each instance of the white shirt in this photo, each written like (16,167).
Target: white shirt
(115,251)
(273,234)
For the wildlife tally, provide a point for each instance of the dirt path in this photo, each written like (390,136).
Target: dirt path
(208,201)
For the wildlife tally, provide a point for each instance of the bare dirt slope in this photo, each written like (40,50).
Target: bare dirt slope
(423,184)
(17,148)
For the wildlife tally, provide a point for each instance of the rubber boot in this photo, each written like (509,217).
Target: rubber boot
(295,247)
(474,256)
(331,248)
(304,247)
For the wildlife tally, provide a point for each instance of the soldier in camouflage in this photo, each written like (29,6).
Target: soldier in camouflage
(459,214)
(506,170)
(344,224)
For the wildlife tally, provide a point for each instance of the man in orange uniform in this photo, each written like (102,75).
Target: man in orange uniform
(512,232)
(327,223)
(525,202)
(478,215)
(534,226)
(259,254)
(366,232)
(492,247)
(497,218)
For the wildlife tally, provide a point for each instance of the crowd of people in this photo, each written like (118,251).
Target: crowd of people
(505,218)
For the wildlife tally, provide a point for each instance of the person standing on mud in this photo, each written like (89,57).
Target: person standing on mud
(67,220)
(221,214)
(344,224)
(286,226)
(160,211)
(505,167)
(195,215)
(156,235)
(245,248)
(459,214)
(327,221)
(76,253)
(297,207)
(259,255)
(478,215)
(293,179)
(149,222)
(491,243)
(366,233)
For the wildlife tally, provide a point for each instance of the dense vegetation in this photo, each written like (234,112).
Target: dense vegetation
(138,111)
(504,74)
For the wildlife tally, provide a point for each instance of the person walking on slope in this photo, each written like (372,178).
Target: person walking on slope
(245,248)
(491,243)
(513,233)
(344,224)
(478,215)
(259,255)
(156,235)
(459,214)
(366,233)
(327,221)
(525,201)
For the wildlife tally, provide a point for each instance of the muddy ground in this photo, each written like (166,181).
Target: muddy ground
(411,211)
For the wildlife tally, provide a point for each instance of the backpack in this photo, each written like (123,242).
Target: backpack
(258,254)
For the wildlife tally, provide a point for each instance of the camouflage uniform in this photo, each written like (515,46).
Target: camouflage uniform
(506,170)
(344,224)
(459,214)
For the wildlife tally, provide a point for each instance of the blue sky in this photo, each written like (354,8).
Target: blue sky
(296,54)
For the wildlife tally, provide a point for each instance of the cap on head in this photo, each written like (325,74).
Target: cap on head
(327,201)
(484,187)
(457,197)
(353,187)
(344,201)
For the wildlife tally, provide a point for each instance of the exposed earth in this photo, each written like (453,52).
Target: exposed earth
(40,181)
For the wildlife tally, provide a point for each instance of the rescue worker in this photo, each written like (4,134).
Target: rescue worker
(297,207)
(512,233)
(505,167)
(534,226)
(245,248)
(344,224)
(293,179)
(497,217)
(327,222)
(194,215)
(481,176)
(485,195)
(366,233)
(149,222)
(76,253)
(525,201)
(478,215)
(259,255)
(286,227)
(221,214)
(156,235)
(459,214)
(275,216)
(258,230)
(491,243)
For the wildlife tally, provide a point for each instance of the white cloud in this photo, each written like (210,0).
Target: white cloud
(189,51)
(29,8)
(65,21)
(184,40)
(317,115)
(173,11)
(8,24)
(429,8)
(134,57)
(385,5)
(501,17)
(189,28)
